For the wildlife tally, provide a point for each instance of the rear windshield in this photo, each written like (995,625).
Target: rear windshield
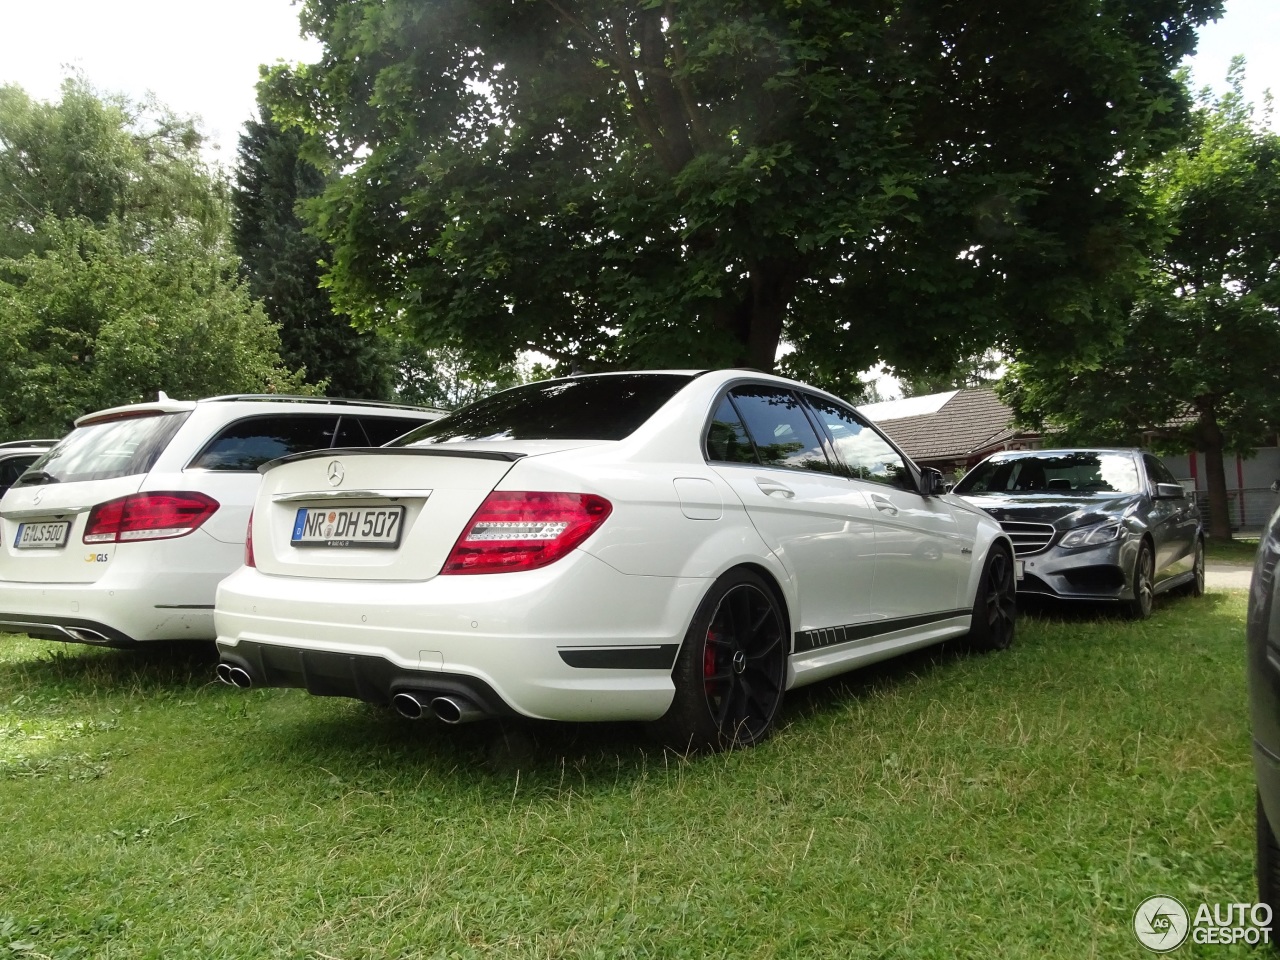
(103,451)
(1083,472)
(586,408)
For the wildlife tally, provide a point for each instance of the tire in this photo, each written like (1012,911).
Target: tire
(995,605)
(730,673)
(1267,863)
(1196,587)
(1144,585)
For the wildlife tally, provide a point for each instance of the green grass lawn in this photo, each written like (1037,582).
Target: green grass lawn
(1014,805)
(1231,551)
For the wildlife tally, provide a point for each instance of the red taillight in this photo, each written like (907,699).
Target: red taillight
(148,516)
(522,531)
(248,543)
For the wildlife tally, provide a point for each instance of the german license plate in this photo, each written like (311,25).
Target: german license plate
(48,535)
(348,527)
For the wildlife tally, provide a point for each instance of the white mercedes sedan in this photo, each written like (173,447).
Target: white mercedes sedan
(678,547)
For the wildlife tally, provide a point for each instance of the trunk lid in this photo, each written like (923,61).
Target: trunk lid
(370,514)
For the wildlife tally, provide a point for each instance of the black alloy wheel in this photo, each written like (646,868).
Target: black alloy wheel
(730,673)
(1144,585)
(1196,587)
(995,606)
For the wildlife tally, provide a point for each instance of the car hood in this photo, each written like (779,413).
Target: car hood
(1063,512)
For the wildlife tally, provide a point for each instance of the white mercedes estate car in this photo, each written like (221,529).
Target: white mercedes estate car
(669,546)
(120,532)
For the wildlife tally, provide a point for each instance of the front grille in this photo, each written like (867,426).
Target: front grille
(1028,538)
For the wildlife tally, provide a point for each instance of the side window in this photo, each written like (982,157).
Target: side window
(12,468)
(727,440)
(247,444)
(382,430)
(1156,469)
(775,420)
(865,453)
(350,433)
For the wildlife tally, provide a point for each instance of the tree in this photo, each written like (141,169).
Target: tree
(981,370)
(283,266)
(116,274)
(639,182)
(1194,368)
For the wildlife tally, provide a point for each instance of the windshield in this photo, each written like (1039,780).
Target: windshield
(103,451)
(1081,472)
(586,408)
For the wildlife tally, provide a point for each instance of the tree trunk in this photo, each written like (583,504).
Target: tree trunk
(1210,435)
(755,321)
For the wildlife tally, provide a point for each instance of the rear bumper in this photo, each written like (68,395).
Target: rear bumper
(151,591)
(573,641)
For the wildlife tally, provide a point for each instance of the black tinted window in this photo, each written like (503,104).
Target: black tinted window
(350,433)
(1077,471)
(382,430)
(1158,472)
(864,453)
(727,440)
(585,408)
(103,451)
(247,444)
(776,422)
(11,468)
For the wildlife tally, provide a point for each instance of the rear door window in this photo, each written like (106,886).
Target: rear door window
(103,451)
(249,443)
(765,425)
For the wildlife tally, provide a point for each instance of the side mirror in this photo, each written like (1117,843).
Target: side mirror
(1170,491)
(931,483)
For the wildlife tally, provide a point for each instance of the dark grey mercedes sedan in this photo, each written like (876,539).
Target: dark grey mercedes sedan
(1098,525)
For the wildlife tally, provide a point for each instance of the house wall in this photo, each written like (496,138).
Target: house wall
(1251,500)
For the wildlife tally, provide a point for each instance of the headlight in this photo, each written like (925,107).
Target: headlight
(1092,535)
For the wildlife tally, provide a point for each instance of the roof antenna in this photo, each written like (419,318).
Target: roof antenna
(162,397)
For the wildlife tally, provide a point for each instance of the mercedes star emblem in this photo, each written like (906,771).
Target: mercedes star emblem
(336,473)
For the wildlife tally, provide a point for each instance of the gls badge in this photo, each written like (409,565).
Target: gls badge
(97,557)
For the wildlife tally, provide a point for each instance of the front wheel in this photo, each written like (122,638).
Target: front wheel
(1144,585)
(731,670)
(995,606)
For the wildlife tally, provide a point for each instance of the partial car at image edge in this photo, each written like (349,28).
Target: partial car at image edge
(674,547)
(119,533)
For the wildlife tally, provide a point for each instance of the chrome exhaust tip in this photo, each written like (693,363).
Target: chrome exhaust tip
(239,677)
(408,706)
(453,711)
(224,674)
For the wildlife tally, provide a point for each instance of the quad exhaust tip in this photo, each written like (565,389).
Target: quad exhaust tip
(450,710)
(234,676)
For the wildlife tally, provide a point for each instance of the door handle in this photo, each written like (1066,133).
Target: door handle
(884,505)
(772,488)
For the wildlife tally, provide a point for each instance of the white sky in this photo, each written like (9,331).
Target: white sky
(202,58)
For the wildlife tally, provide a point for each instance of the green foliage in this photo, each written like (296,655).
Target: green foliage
(92,323)
(686,182)
(1194,366)
(283,266)
(116,274)
(933,807)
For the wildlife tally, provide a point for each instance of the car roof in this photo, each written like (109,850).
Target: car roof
(1061,451)
(165,404)
(9,445)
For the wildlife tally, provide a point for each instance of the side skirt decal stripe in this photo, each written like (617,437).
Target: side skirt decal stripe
(830,636)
